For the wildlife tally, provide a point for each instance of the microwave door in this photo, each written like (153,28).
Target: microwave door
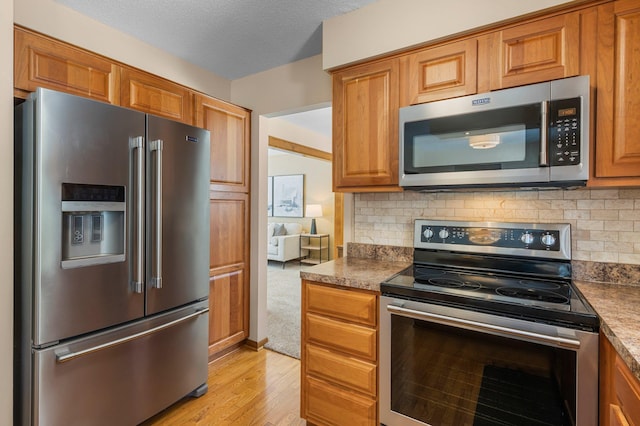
(499,146)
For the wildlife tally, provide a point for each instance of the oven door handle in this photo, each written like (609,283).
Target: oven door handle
(486,328)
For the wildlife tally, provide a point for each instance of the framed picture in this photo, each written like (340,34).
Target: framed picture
(270,196)
(288,200)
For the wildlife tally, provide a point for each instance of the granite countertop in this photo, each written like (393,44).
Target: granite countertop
(618,307)
(361,273)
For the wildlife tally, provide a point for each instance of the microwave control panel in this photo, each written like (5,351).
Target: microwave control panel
(564,132)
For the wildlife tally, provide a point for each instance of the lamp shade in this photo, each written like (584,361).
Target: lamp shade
(313,210)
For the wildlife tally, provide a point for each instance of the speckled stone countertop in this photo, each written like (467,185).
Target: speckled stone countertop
(365,266)
(618,307)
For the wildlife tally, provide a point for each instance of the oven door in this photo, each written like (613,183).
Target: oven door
(441,365)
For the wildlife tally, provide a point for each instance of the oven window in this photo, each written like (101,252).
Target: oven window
(442,375)
(488,140)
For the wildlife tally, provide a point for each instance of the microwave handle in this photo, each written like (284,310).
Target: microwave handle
(544,135)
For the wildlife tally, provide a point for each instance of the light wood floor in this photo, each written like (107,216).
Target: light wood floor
(245,388)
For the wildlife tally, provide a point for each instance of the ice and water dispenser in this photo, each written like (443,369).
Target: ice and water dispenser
(93,224)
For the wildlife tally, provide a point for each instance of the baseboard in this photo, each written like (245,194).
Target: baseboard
(256,346)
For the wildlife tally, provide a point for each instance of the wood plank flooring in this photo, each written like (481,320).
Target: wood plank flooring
(245,388)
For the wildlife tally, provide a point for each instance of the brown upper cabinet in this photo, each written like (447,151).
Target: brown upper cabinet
(365,127)
(441,72)
(600,40)
(154,95)
(545,49)
(617,150)
(230,142)
(43,62)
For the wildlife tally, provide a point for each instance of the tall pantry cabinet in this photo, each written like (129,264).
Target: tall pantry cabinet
(229,228)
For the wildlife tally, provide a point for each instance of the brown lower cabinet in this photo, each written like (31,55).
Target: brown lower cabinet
(619,389)
(229,266)
(339,355)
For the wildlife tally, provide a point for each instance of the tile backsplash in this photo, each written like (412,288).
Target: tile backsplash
(605,223)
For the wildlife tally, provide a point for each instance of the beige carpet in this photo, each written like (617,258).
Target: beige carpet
(283,308)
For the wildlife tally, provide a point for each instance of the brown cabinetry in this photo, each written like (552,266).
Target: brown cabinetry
(619,389)
(441,72)
(154,95)
(617,151)
(230,142)
(40,61)
(339,355)
(365,127)
(229,266)
(545,49)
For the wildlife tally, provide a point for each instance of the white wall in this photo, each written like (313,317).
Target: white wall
(6,212)
(63,23)
(390,25)
(287,88)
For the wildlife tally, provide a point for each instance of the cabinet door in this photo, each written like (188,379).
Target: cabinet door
(618,91)
(538,51)
(154,95)
(40,61)
(365,128)
(229,266)
(442,72)
(230,142)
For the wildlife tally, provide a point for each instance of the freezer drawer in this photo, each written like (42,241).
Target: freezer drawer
(123,376)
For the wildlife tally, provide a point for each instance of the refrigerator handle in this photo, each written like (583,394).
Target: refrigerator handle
(156,250)
(137,282)
(64,357)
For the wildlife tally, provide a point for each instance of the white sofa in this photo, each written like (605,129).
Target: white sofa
(283,241)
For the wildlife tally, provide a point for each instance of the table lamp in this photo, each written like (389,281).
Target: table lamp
(313,211)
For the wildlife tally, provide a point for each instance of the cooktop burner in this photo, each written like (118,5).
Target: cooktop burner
(525,291)
(524,272)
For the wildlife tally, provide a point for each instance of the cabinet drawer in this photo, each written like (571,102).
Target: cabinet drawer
(352,306)
(627,390)
(349,372)
(328,405)
(349,338)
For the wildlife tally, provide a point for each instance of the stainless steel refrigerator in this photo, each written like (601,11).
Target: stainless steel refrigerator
(112,242)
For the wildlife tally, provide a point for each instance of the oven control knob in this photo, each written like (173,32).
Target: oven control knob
(428,233)
(527,238)
(548,240)
(444,233)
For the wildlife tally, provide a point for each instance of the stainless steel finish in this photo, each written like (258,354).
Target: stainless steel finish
(98,343)
(64,357)
(137,152)
(544,135)
(184,215)
(579,87)
(586,352)
(505,98)
(563,228)
(498,330)
(73,141)
(156,279)
(127,383)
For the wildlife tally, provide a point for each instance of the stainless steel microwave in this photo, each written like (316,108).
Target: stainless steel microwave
(528,136)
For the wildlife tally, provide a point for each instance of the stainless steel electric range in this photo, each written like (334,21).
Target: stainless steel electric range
(487,328)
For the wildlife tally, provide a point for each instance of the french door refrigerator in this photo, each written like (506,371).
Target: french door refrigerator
(112,276)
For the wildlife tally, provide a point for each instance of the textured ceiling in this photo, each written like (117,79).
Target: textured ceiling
(231,38)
